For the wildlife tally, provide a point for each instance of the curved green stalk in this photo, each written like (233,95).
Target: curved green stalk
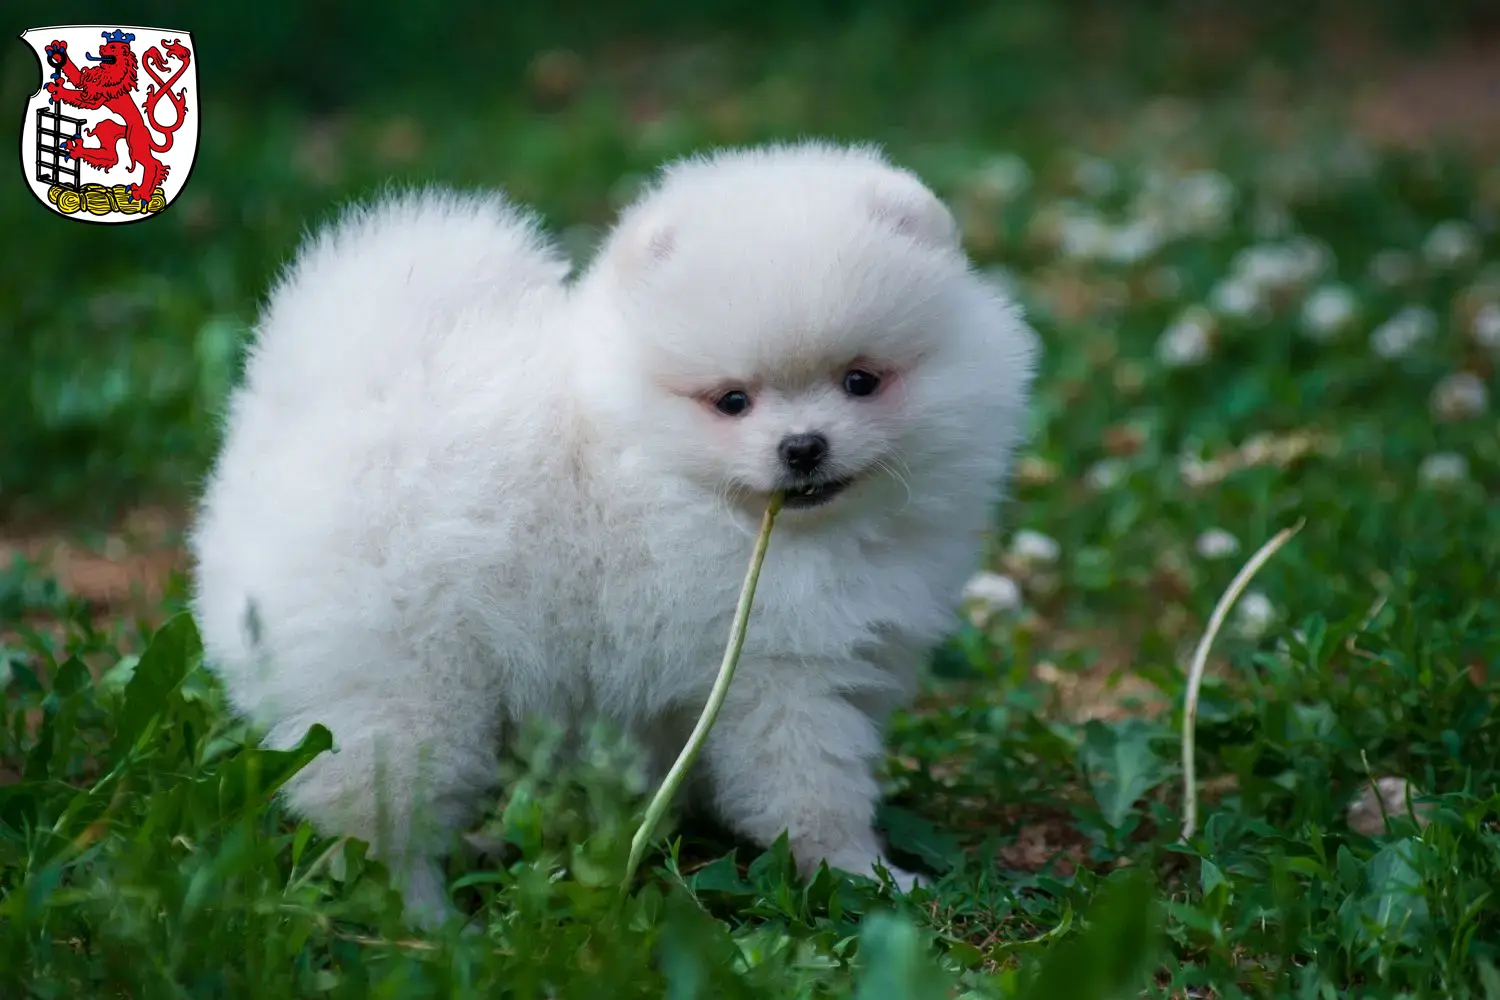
(668,789)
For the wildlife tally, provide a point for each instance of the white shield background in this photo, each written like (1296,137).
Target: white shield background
(184,141)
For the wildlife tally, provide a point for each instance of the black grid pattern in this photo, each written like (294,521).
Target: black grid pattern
(53,166)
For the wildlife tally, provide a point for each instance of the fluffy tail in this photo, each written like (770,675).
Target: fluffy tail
(375,348)
(372,290)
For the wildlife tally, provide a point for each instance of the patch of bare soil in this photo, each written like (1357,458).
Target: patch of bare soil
(124,572)
(1108,689)
(1045,843)
(1449,96)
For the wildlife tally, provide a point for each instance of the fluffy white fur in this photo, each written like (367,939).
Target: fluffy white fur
(458,490)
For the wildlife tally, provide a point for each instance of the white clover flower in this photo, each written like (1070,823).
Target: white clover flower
(1309,257)
(1443,468)
(1083,236)
(1216,543)
(1392,267)
(1134,241)
(1105,474)
(1261,270)
(1327,312)
(1238,299)
(1451,243)
(1400,334)
(1095,177)
(1035,547)
(1194,470)
(988,594)
(1205,199)
(1265,266)
(1007,176)
(1487,326)
(1285,648)
(1188,341)
(1002,178)
(1459,396)
(1254,614)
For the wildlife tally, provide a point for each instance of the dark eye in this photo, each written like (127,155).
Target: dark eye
(858,382)
(732,403)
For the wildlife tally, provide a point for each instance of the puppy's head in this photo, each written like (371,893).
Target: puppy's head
(803,319)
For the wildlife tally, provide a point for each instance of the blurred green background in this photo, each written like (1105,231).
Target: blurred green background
(116,347)
(1261,242)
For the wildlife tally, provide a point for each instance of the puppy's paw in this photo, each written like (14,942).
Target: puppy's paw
(424,896)
(866,866)
(905,881)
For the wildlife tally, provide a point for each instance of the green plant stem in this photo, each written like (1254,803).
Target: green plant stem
(668,789)
(1200,663)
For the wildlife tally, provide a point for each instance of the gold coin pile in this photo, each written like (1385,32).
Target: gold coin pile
(97,199)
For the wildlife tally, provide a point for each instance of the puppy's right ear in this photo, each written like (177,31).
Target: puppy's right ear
(898,199)
(644,241)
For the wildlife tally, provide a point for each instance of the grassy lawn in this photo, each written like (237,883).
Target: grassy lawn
(1258,314)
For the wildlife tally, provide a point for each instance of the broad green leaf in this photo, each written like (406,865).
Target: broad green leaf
(1113,955)
(1121,766)
(175,650)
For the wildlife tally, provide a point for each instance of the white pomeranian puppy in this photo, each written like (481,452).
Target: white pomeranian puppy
(458,491)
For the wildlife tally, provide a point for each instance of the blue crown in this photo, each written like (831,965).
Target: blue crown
(117,36)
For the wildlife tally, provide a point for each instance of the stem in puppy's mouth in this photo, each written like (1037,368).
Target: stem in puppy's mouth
(668,789)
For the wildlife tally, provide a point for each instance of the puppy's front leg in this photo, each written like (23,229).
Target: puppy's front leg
(791,753)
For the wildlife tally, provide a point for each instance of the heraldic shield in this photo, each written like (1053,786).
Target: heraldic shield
(111,134)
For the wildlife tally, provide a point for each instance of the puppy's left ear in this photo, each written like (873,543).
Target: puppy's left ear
(906,205)
(644,240)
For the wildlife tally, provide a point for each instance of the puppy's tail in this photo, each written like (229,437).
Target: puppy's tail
(388,275)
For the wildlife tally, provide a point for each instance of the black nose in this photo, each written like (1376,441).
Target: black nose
(803,453)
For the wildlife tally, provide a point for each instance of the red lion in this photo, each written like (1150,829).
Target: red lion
(111,85)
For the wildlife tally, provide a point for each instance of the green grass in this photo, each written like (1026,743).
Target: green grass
(141,855)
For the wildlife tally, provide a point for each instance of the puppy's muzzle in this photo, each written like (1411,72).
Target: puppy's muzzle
(803,453)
